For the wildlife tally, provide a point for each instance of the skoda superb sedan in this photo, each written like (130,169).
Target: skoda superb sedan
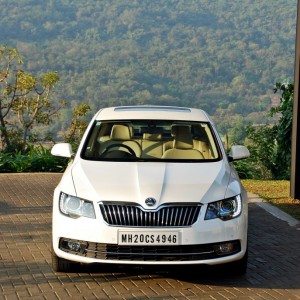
(150,185)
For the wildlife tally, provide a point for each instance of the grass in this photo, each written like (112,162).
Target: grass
(276,192)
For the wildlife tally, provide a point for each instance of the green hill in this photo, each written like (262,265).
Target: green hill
(222,56)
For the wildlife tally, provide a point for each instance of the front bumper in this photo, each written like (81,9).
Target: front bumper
(196,242)
(149,253)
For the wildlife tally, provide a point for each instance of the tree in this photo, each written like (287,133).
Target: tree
(25,100)
(270,145)
(78,124)
(34,106)
(283,129)
(9,61)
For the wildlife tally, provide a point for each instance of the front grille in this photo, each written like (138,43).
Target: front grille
(171,215)
(151,253)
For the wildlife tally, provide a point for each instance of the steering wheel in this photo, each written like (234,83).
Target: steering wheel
(108,149)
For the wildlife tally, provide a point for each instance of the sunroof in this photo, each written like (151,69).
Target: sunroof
(152,108)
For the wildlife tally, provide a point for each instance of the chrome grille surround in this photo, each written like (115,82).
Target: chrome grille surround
(134,215)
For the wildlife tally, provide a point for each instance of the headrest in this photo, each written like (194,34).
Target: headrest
(183,138)
(180,129)
(199,132)
(152,136)
(120,132)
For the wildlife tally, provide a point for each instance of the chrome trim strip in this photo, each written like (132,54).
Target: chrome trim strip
(150,254)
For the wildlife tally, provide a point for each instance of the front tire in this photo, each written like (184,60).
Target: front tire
(60,264)
(238,267)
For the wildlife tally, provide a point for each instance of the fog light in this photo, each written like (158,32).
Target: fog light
(224,248)
(74,246)
(70,246)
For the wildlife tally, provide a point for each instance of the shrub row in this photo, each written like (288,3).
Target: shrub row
(38,159)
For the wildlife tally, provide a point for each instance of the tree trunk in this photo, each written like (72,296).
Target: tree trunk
(25,137)
(5,143)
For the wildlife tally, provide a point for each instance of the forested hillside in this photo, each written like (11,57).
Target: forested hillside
(222,56)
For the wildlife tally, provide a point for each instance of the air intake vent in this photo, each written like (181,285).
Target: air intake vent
(132,215)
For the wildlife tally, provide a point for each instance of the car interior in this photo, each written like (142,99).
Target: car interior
(166,140)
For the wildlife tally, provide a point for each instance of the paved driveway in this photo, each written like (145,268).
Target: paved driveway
(25,262)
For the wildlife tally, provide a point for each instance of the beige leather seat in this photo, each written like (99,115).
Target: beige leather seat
(182,145)
(201,141)
(120,134)
(174,129)
(152,145)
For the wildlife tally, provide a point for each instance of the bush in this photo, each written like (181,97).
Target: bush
(270,146)
(252,169)
(38,159)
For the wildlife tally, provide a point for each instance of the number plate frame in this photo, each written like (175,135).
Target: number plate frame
(149,238)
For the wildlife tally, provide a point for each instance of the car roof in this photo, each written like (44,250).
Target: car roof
(152,112)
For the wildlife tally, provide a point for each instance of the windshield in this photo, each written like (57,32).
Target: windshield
(151,140)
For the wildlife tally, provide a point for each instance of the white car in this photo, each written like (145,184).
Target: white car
(150,185)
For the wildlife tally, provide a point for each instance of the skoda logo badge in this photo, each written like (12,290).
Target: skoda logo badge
(150,201)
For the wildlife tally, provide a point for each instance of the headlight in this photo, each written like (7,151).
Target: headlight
(225,209)
(76,207)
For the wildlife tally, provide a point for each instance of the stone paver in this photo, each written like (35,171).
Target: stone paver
(25,261)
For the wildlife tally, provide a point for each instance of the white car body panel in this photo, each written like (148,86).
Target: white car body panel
(166,182)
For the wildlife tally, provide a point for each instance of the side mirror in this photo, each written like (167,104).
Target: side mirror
(62,149)
(238,152)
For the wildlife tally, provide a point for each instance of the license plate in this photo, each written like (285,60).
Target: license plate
(148,238)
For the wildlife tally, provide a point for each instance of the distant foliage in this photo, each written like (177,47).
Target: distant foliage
(222,56)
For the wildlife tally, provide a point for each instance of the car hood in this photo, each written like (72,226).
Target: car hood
(166,182)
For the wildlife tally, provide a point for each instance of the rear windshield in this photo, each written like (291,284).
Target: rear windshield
(151,140)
